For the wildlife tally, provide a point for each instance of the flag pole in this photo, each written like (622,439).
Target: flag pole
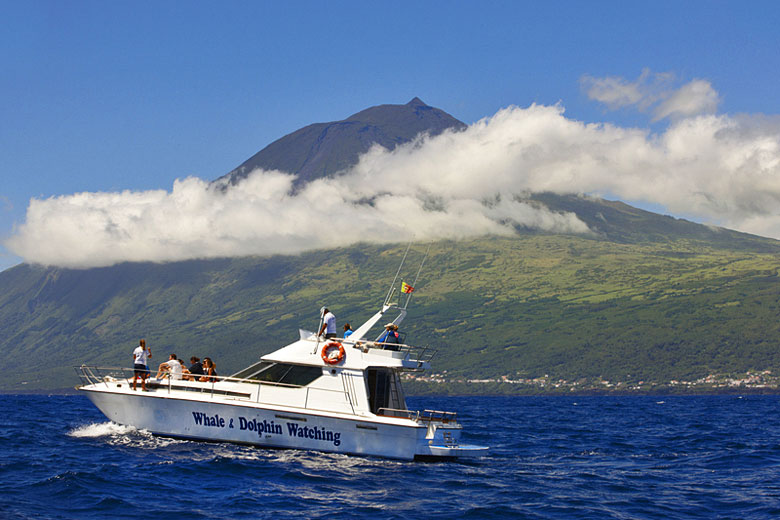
(392,285)
(414,284)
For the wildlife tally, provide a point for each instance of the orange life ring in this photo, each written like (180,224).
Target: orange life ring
(326,353)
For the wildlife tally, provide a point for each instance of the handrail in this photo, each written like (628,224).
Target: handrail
(397,412)
(413,353)
(424,416)
(90,375)
(437,415)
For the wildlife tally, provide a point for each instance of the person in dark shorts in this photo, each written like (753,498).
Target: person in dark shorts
(141,356)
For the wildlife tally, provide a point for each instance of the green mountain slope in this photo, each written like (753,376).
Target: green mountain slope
(618,222)
(527,305)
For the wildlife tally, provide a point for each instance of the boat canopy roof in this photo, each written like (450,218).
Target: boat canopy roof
(359,353)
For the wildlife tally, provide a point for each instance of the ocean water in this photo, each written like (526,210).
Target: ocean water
(551,457)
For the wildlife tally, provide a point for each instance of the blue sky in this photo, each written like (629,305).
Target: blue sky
(113,96)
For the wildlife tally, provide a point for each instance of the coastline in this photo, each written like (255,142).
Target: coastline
(473,389)
(504,389)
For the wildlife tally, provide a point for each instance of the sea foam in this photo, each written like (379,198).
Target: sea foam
(101,430)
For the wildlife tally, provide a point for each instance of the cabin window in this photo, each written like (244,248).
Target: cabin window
(384,391)
(284,373)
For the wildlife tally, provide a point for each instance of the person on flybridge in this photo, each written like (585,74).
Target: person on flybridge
(347,331)
(390,337)
(328,323)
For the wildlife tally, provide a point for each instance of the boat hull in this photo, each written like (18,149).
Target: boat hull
(253,424)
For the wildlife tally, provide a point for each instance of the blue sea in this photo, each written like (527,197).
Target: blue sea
(551,457)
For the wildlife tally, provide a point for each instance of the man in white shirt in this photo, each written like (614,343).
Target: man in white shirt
(141,357)
(171,368)
(328,324)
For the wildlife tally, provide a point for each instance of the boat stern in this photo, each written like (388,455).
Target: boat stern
(442,438)
(438,452)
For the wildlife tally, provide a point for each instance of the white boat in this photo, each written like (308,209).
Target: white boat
(341,395)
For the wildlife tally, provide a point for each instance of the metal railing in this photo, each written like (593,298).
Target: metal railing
(91,375)
(396,412)
(94,374)
(411,352)
(438,416)
(418,416)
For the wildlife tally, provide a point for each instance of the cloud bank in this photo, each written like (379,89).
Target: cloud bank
(655,93)
(259,216)
(721,169)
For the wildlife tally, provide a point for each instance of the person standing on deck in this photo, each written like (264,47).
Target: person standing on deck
(328,324)
(141,357)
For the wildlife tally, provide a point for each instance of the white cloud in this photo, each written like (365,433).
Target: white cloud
(694,98)
(617,92)
(654,92)
(259,216)
(612,91)
(721,169)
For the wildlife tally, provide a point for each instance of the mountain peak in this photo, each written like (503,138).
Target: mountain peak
(326,149)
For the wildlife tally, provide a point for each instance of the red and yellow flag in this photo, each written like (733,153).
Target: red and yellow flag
(406,288)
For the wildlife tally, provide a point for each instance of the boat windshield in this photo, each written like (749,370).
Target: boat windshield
(283,373)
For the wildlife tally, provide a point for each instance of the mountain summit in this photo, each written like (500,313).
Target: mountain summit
(324,149)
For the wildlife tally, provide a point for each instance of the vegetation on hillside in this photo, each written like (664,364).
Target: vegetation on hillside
(529,305)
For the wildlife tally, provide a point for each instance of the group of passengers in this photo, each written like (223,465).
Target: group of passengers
(174,368)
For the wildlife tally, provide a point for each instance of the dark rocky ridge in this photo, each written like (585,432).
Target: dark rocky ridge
(325,149)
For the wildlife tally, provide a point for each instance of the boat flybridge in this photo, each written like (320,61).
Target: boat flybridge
(340,395)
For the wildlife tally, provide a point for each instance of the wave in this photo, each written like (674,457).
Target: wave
(120,435)
(102,430)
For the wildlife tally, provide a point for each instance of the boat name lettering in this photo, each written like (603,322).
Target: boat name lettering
(259,427)
(209,420)
(314,432)
(317,433)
